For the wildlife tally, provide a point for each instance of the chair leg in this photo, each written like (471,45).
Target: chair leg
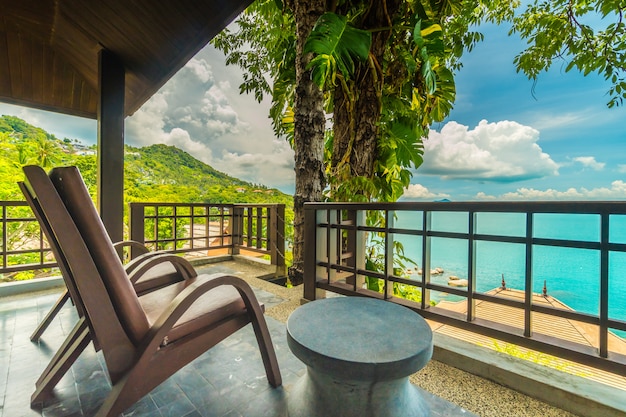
(268,354)
(74,345)
(50,316)
(124,393)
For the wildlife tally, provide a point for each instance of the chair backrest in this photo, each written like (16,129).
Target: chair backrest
(64,267)
(117,346)
(74,194)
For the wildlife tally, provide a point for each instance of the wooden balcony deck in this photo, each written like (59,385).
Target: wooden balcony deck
(569,330)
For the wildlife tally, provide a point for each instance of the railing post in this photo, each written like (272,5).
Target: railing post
(355,245)
(604,285)
(359,248)
(528,291)
(333,244)
(350,246)
(136,226)
(388,287)
(237,228)
(249,236)
(259,228)
(426,224)
(310,254)
(4,237)
(276,237)
(471,270)
(207,226)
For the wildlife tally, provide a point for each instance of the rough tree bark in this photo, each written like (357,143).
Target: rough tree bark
(309,131)
(356,115)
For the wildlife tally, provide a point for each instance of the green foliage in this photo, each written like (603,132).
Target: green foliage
(588,35)
(426,41)
(408,292)
(418,86)
(539,358)
(24,276)
(156,173)
(375,261)
(335,44)
(23,144)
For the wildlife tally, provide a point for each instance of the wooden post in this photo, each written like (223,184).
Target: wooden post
(277,236)
(136,225)
(311,246)
(236,230)
(111,88)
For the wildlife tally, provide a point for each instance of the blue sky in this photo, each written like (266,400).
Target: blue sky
(506,140)
(501,141)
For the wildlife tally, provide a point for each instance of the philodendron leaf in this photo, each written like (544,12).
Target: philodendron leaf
(428,37)
(335,44)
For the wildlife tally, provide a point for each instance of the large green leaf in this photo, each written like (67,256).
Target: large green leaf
(428,37)
(336,44)
(409,148)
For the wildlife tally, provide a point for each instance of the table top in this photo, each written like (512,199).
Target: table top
(360,338)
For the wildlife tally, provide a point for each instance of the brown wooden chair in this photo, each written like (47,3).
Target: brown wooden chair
(146,339)
(167,270)
(160,275)
(138,249)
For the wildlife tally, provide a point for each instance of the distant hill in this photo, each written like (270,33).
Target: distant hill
(156,173)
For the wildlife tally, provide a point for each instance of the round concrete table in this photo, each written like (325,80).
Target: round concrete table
(359,353)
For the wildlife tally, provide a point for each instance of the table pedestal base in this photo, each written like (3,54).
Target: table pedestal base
(321,395)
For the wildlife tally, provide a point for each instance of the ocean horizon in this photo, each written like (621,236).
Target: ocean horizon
(570,275)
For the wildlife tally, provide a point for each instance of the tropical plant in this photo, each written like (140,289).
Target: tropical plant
(587,35)
(155,173)
(383,106)
(372,62)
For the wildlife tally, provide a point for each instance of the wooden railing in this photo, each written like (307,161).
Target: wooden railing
(339,245)
(22,245)
(211,228)
(255,229)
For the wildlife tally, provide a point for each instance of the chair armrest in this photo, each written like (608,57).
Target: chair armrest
(139,260)
(141,266)
(181,303)
(137,247)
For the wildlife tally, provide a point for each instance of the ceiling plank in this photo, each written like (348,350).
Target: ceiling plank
(49,48)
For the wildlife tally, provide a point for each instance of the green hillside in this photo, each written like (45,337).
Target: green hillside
(156,173)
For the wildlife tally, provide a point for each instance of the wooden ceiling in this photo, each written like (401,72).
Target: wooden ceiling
(49,48)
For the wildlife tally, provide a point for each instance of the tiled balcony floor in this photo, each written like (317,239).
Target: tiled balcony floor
(227,381)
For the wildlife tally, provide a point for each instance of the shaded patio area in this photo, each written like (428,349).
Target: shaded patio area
(228,380)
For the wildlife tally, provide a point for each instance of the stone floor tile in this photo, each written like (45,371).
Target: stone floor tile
(227,381)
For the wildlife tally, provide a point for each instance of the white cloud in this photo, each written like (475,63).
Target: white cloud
(558,121)
(504,151)
(621,168)
(419,192)
(190,102)
(617,191)
(193,112)
(590,162)
(273,168)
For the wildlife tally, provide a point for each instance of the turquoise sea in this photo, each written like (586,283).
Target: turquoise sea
(571,275)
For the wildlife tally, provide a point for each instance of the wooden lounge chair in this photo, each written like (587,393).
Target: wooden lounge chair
(146,339)
(65,295)
(160,275)
(168,270)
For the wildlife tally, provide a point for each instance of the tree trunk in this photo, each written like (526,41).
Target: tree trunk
(308,132)
(357,115)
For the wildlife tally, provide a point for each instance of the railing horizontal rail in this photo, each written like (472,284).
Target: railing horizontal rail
(204,227)
(178,227)
(22,245)
(344,240)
